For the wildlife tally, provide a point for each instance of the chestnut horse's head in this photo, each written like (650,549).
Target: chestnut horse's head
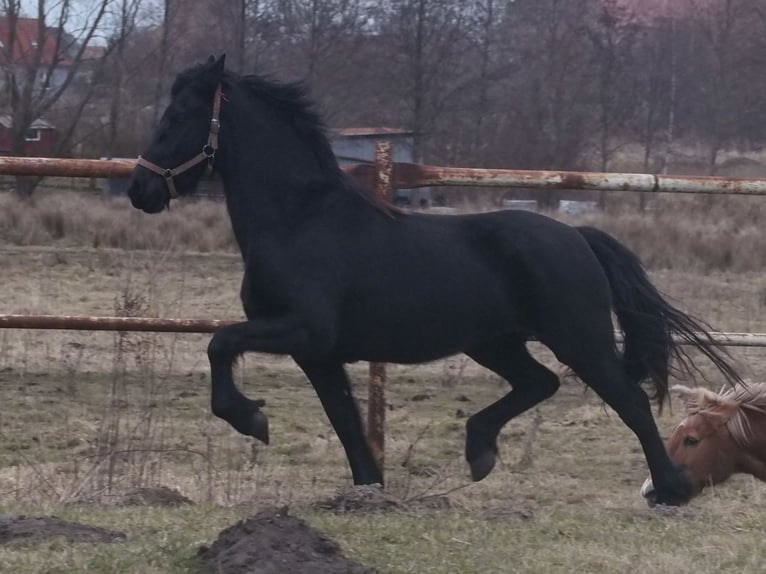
(721,435)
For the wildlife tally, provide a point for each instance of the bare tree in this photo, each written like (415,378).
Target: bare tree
(37,73)
(722,24)
(126,21)
(552,91)
(162,57)
(485,19)
(426,66)
(613,35)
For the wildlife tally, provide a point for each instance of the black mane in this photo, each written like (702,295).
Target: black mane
(291,100)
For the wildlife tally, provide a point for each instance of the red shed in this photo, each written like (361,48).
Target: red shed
(41,137)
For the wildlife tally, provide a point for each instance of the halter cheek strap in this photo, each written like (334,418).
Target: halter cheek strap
(207,153)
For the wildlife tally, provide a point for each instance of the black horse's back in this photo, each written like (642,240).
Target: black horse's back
(648,321)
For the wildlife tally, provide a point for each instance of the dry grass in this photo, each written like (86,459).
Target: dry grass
(70,219)
(715,233)
(89,415)
(710,234)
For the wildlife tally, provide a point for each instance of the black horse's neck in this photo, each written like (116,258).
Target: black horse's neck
(274,156)
(275,160)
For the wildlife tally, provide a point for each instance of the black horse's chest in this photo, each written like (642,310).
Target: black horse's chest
(261,296)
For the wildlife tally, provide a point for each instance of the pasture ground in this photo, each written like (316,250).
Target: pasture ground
(86,417)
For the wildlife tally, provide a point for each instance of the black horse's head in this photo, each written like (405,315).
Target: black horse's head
(184,142)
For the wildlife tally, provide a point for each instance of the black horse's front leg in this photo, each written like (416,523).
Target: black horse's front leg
(331,383)
(280,336)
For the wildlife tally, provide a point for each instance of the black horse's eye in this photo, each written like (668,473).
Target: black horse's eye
(691,441)
(174,118)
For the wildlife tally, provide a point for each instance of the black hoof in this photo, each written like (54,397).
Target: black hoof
(259,427)
(247,419)
(482,465)
(675,492)
(667,498)
(480,449)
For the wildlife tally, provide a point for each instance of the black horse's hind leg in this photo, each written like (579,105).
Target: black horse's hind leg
(611,382)
(334,390)
(531,382)
(228,343)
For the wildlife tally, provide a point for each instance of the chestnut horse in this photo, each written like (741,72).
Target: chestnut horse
(722,434)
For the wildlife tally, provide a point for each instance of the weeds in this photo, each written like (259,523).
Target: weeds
(717,233)
(80,220)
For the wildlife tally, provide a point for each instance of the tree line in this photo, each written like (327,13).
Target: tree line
(536,84)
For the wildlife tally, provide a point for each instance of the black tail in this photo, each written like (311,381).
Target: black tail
(649,322)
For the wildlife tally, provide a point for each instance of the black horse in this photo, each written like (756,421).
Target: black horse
(333,275)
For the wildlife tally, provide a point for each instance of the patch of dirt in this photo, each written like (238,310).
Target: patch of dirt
(361,498)
(507,513)
(16,529)
(146,496)
(153,496)
(272,542)
(661,510)
(372,498)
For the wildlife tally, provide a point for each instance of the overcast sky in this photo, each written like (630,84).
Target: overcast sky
(83,12)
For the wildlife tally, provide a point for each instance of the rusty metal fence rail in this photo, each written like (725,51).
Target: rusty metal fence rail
(169,325)
(407,175)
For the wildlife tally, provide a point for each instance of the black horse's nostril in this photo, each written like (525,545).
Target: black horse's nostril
(134,193)
(149,194)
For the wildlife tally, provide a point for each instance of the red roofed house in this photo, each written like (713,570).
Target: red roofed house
(22,42)
(26,35)
(40,137)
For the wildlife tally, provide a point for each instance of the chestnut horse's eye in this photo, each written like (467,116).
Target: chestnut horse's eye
(691,441)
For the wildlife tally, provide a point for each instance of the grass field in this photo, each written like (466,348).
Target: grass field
(87,416)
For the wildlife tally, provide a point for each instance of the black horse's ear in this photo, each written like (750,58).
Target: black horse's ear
(216,67)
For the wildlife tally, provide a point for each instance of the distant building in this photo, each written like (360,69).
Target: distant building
(40,137)
(357,145)
(17,58)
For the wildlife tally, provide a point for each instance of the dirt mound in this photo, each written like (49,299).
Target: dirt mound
(360,498)
(372,498)
(145,496)
(271,542)
(153,496)
(27,529)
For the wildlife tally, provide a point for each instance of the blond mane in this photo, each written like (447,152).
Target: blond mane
(750,398)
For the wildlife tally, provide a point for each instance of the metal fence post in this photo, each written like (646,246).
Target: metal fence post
(376,405)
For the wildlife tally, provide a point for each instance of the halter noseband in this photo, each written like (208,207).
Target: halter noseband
(207,153)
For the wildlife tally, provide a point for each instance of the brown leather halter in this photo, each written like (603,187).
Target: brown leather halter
(207,153)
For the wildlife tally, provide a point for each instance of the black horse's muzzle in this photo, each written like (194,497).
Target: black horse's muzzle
(148,193)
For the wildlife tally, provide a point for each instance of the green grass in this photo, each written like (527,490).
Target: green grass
(723,534)
(158,541)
